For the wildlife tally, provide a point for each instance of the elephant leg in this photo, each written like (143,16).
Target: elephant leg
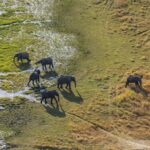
(58,86)
(61,86)
(140,83)
(52,101)
(28,60)
(21,60)
(137,84)
(69,86)
(29,82)
(37,82)
(39,79)
(127,83)
(43,67)
(18,59)
(41,100)
(56,101)
(45,101)
(33,82)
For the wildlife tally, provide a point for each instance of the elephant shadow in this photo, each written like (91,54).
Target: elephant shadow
(37,87)
(69,95)
(35,90)
(141,90)
(55,111)
(49,74)
(23,66)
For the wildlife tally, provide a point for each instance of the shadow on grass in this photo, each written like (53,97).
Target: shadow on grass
(11,146)
(55,111)
(49,74)
(141,90)
(37,88)
(48,148)
(69,95)
(23,66)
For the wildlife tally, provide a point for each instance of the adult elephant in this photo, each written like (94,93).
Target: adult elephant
(136,79)
(21,56)
(46,61)
(49,95)
(34,77)
(63,79)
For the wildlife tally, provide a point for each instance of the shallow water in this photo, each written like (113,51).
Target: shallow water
(3,145)
(2,12)
(2,108)
(14,73)
(5,94)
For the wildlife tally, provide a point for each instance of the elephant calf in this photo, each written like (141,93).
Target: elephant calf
(46,61)
(35,76)
(65,80)
(22,56)
(137,79)
(50,94)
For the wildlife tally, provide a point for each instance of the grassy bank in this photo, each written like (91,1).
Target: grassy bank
(110,48)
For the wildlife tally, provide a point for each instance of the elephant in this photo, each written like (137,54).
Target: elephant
(136,1)
(35,76)
(49,94)
(46,61)
(21,56)
(65,79)
(137,79)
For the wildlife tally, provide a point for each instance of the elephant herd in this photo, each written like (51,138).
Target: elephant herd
(35,77)
(62,79)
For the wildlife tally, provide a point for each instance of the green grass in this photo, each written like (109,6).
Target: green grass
(104,58)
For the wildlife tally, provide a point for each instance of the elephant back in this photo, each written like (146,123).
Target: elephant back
(34,76)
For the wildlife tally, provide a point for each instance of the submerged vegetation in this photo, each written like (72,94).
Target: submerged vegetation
(101,42)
